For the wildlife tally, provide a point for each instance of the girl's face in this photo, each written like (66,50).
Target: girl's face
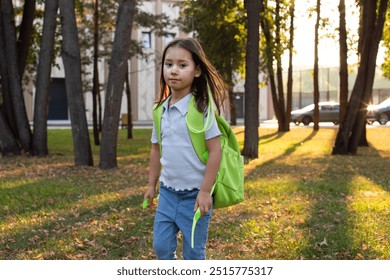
(179,70)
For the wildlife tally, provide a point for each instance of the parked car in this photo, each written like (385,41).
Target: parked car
(329,112)
(379,112)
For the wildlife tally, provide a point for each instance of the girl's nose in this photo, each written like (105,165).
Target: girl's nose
(174,69)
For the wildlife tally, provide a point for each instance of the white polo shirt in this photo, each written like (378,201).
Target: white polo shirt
(181,167)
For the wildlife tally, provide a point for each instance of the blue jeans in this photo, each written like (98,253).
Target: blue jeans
(175,211)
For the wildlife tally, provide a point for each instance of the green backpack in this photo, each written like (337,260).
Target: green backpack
(228,188)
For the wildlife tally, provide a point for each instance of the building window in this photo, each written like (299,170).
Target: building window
(168,37)
(147,39)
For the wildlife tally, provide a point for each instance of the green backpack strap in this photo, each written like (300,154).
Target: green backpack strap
(157,113)
(195,119)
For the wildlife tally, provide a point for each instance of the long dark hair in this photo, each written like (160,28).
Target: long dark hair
(209,75)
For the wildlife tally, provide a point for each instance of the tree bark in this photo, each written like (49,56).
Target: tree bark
(96,86)
(232,106)
(116,80)
(129,111)
(316,114)
(350,131)
(8,144)
(72,64)
(251,141)
(25,34)
(40,147)
(343,73)
(279,70)
(270,62)
(22,124)
(7,107)
(290,68)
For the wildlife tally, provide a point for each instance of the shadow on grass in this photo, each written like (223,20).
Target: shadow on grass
(299,210)
(289,150)
(328,225)
(270,137)
(110,229)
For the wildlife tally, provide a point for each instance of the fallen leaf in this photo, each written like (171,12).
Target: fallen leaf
(323,243)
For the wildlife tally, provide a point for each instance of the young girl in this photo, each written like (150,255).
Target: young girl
(185,182)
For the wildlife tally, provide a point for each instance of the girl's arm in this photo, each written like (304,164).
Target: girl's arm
(154,172)
(204,201)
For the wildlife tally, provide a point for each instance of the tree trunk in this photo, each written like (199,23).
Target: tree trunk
(232,106)
(72,65)
(43,79)
(96,86)
(7,107)
(343,73)
(25,34)
(8,145)
(279,70)
(116,80)
(270,63)
(22,124)
(290,68)
(358,136)
(129,111)
(350,132)
(229,85)
(251,141)
(316,114)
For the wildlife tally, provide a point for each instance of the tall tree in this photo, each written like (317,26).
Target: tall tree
(6,108)
(351,129)
(116,80)
(316,114)
(290,68)
(25,34)
(274,24)
(251,141)
(279,68)
(265,22)
(129,111)
(72,65)
(40,147)
(343,72)
(96,84)
(15,88)
(100,42)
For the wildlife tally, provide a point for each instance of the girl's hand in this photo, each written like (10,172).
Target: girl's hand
(149,194)
(204,202)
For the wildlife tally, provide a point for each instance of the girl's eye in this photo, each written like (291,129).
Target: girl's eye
(182,65)
(168,64)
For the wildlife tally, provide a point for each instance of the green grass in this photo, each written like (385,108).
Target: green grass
(301,202)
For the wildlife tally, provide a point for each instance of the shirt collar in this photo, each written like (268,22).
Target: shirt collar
(181,105)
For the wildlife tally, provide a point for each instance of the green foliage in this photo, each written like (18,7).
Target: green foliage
(301,202)
(220,27)
(270,17)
